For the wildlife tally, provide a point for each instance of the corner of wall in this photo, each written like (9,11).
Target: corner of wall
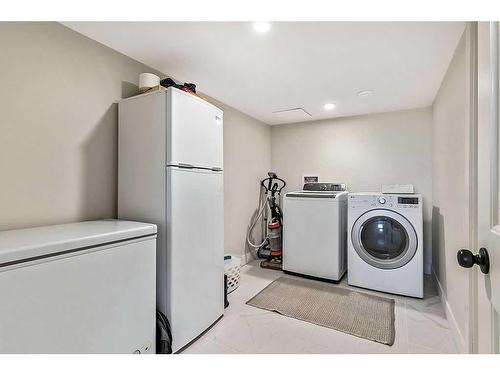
(460,341)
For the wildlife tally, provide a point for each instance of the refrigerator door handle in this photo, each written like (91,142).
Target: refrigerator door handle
(191,166)
(182,165)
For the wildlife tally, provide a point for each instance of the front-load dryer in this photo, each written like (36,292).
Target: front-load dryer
(315,231)
(385,243)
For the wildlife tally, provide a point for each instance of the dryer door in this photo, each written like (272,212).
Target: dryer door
(384,239)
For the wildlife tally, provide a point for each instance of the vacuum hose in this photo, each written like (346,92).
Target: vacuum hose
(262,207)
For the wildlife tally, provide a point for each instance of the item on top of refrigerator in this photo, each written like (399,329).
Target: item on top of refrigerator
(148,81)
(167,82)
(188,87)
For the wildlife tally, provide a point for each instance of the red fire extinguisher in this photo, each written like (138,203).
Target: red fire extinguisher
(274,235)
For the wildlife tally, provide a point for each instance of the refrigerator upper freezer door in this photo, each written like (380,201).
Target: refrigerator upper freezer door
(195,131)
(195,251)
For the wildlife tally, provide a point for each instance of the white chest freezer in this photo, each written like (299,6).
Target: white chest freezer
(78,288)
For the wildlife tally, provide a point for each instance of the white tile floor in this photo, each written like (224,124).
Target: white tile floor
(421,326)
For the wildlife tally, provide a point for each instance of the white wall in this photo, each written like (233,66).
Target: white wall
(58,127)
(362,151)
(450,188)
(247,159)
(58,124)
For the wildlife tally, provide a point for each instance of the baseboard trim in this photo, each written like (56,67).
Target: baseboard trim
(457,335)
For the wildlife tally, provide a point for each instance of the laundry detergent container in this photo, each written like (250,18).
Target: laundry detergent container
(78,288)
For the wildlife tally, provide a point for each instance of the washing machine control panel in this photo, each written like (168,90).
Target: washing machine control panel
(324,186)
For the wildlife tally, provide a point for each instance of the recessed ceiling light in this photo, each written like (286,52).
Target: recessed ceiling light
(365,93)
(262,27)
(329,106)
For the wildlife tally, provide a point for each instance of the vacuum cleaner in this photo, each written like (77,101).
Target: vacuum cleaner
(269,211)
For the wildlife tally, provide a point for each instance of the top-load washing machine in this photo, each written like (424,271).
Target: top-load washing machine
(315,231)
(385,236)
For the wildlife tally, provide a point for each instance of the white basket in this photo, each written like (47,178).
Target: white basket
(232,267)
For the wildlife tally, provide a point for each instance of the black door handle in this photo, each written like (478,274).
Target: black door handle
(467,259)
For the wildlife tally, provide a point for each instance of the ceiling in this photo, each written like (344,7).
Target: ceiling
(295,64)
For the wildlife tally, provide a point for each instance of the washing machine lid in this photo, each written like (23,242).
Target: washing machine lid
(311,194)
(384,239)
(320,190)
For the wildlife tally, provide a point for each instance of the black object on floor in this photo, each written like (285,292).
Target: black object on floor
(163,334)
(315,277)
(271,264)
(226,302)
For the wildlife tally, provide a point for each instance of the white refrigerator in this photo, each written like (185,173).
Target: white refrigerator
(170,172)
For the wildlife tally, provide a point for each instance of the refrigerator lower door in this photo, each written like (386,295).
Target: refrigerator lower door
(195,252)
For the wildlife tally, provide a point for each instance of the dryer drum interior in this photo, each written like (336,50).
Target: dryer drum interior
(384,239)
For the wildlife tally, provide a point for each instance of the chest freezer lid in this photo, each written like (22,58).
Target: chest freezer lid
(24,244)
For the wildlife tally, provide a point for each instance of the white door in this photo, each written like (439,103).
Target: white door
(194,131)
(195,251)
(486,306)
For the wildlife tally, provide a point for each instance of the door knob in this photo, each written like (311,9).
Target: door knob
(467,259)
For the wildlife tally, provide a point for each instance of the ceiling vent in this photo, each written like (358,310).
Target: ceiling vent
(292,115)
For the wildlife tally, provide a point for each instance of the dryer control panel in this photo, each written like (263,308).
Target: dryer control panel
(395,201)
(407,200)
(387,201)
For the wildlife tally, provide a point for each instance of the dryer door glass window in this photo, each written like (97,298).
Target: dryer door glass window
(384,238)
